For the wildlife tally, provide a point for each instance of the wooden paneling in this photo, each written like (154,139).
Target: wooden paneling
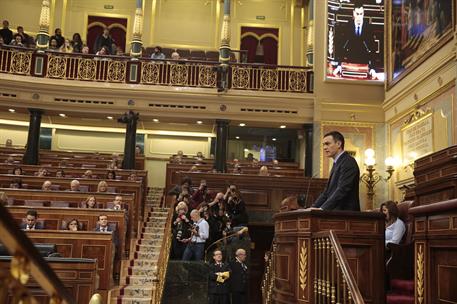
(78,275)
(361,235)
(82,244)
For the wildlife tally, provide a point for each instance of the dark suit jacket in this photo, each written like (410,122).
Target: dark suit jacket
(238,278)
(215,287)
(38,226)
(342,191)
(353,48)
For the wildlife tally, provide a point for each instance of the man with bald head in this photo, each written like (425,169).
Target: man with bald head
(199,234)
(239,278)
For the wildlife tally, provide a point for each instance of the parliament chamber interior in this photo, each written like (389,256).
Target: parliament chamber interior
(228,151)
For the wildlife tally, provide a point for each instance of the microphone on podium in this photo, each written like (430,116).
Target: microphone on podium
(302,201)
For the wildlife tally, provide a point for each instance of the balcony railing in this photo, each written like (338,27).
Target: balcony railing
(145,71)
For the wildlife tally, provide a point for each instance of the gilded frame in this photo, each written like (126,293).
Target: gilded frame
(388,41)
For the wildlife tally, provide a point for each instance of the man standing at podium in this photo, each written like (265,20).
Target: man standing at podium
(342,191)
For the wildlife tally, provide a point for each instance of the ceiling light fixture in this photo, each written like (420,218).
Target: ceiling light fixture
(242,124)
(282,127)
(273,139)
(109,117)
(237,137)
(155,120)
(62,115)
(199,122)
(12,110)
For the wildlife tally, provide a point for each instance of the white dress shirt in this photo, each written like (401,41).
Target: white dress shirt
(395,232)
(203,232)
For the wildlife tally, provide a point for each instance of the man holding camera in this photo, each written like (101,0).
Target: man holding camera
(199,234)
(201,195)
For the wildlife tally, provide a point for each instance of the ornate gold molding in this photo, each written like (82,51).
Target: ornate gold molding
(416,115)
(303,271)
(420,272)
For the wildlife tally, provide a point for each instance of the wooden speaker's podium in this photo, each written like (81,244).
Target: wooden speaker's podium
(308,263)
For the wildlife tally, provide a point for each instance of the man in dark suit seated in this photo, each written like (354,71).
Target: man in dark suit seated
(31,221)
(239,278)
(103,224)
(342,191)
(218,285)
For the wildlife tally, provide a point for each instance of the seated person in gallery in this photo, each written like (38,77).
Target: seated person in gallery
(263,171)
(90,202)
(102,186)
(47,186)
(73,225)
(31,222)
(17,171)
(74,185)
(395,228)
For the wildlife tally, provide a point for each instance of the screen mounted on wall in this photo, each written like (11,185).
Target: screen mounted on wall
(355,40)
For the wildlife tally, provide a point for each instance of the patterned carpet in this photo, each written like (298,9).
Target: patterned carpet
(137,282)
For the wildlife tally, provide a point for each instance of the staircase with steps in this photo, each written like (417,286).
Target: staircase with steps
(141,273)
(402,292)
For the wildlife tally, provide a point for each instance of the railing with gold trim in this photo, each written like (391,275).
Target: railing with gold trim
(333,279)
(26,261)
(145,71)
(269,276)
(162,263)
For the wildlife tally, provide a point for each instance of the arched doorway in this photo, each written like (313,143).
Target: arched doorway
(261,44)
(117,26)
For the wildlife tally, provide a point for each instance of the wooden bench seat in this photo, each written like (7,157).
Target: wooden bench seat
(78,275)
(56,218)
(129,187)
(82,244)
(262,194)
(71,172)
(68,199)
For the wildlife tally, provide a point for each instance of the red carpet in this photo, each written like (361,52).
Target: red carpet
(402,292)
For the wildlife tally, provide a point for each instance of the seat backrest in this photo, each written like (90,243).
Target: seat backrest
(408,219)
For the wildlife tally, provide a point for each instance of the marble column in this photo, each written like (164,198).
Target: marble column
(42,38)
(137,43)
(130,119)
(221,145)
(32,152)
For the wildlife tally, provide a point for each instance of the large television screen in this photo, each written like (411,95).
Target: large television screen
(355,40)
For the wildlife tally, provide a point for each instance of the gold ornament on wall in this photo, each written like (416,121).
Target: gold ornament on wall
(303,271)
(57,66)
(269,79)
(420,274)
(150,72)
(21,62)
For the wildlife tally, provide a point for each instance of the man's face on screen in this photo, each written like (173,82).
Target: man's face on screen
(358,16)
(330,146)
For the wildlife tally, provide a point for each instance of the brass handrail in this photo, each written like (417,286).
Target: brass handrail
(147,71)
(269,276)
(162,262)
(27,261)
(333,278)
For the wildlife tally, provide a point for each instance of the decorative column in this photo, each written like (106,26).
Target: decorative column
(137,43)
(308,149)
(310,38)
(130,119)
(224,50)
(42,39)
(221,145)
(32,152)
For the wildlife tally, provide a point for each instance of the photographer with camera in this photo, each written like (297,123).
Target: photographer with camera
(181,230)
(236,208)
(201,195)
(199,234)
